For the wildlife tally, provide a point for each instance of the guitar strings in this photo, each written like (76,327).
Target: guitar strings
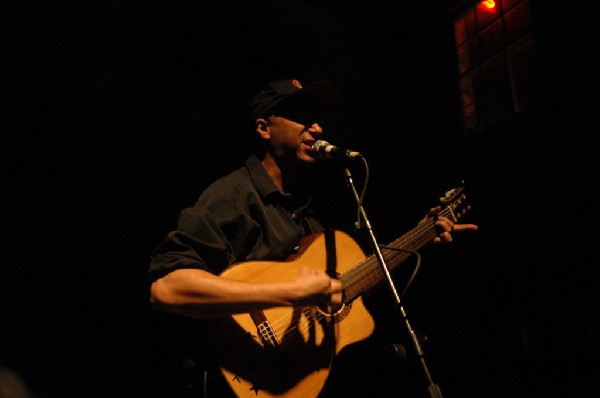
(421,234)
(371,275)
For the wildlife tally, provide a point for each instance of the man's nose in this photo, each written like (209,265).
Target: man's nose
(315,129)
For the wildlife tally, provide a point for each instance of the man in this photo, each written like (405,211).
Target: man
(260,213)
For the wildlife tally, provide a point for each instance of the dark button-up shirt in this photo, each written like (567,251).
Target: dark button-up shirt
(242,216)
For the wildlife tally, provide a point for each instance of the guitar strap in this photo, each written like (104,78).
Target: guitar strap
(331,258)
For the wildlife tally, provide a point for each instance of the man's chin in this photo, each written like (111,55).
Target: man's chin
(308,159)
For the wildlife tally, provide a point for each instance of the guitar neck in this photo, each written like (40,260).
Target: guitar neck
(368,274)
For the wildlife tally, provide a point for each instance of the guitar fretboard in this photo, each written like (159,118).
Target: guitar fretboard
(368,273)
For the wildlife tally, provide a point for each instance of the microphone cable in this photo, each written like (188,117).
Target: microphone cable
(362,193)
(415,270)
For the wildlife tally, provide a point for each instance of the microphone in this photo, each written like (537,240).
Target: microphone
(324,150)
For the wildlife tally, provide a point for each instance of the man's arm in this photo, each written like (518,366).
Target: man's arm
(199,294)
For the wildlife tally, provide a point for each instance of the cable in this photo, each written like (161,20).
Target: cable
(362,192)
(414,273)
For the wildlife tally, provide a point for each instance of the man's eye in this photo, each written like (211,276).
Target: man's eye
(300,119)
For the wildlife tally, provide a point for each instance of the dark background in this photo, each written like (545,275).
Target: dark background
(118,114)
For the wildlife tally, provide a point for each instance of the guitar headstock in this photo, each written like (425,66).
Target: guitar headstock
(455,204)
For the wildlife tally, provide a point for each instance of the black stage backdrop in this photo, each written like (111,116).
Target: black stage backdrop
(118,114)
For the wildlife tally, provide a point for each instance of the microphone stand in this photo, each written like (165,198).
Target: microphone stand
(433,389)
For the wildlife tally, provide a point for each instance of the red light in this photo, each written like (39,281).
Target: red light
(488,5)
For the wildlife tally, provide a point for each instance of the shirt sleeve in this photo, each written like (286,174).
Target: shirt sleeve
(211,235)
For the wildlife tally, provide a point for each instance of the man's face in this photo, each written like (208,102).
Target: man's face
(293,131)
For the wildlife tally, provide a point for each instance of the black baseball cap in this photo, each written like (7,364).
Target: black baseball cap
(274,93)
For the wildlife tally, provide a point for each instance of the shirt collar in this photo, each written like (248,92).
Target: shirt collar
(260,178)
(265,185)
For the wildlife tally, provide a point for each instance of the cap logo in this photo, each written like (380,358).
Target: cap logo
(297,84)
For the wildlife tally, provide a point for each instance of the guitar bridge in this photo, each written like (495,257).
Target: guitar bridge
(267,335)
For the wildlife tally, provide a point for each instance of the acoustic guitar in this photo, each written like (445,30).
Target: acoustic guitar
(289,351)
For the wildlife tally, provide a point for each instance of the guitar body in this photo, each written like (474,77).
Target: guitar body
(289,352)
(285,351)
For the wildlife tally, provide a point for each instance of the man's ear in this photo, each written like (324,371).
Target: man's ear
(262,128)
